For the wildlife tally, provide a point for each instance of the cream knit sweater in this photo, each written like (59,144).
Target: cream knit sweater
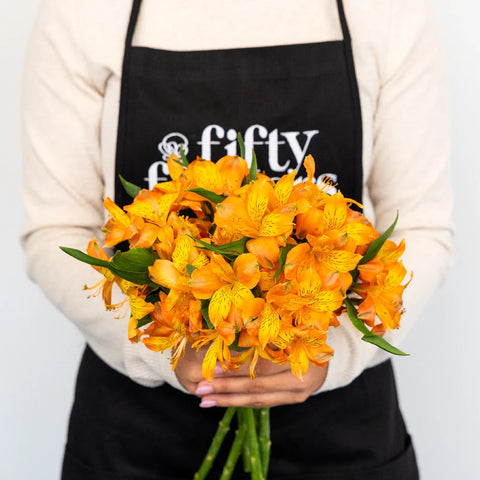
(70,105)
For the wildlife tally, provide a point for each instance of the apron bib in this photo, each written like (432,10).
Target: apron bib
(287,101)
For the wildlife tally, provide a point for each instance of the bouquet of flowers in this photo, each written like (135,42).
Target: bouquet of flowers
(223,257)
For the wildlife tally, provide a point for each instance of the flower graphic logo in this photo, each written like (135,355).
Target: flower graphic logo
(171,143)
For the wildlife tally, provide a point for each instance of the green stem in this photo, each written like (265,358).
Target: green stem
(223,428)
(264,438)
(255,459)
(234,452)
(242,420)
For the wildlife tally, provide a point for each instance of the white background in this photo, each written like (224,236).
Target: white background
(439,384)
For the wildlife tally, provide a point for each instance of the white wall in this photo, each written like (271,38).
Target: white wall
(438,384)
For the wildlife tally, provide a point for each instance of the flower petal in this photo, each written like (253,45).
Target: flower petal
(247,270)
(220,304)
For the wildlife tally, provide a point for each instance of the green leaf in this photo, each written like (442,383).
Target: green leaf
(130,188)
(83,257)
(281,260)
(135,259)
(212,196)
(377,244)
(153,297)
(144,321)
(227,250)
(190,269)
(241,144)
(380,342)
(368,336)
(207,209)
(252,175)
(132,265)
(185,162)
(206,317)
(352,314)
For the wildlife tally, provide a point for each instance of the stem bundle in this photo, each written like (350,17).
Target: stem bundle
(252,442)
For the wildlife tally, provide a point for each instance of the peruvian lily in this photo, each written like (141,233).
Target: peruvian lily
(383,298)
(302,345)
(225,286)
(170,327)
(330,263)
(174,274)
(306,301)
(223,178)
(249,215)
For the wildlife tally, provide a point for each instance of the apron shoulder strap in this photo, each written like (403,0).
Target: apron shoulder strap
(132,23)
(343,21)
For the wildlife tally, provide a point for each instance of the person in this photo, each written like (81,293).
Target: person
(115,87)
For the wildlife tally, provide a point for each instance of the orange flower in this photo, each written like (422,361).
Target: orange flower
(170,327)
(120,227)
(173,274)
(306,302)
(385,296)
(223,178)
(302,346)
(249,215)
(226,286)
(380,287)
(321,254)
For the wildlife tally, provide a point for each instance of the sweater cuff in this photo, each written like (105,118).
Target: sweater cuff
(351,356)
(148,368)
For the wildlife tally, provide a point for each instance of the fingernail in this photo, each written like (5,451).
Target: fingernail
(218,369)
(204,390)
(208,403)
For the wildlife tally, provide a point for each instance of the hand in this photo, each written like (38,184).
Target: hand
(274,385)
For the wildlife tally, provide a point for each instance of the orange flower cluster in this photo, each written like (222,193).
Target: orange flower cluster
(240,262)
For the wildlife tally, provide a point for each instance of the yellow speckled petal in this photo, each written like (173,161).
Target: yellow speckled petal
(269,325)
(283,188)
(139,307)
(181,254)
(276,224)
(258,200)
(213,354)
(159,344)
(220,304)
(341,261)
(335,212)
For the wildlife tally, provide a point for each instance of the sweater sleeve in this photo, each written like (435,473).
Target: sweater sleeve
(63,188)
(409,174)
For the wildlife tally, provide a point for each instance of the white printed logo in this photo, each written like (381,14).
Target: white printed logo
(171,143)
(215,135)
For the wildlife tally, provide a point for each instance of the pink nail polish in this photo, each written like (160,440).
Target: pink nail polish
(218,369)
(204,390)
(208,403)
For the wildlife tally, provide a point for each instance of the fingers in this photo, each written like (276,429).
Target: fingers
(264,400)
(189,368)
(274,384)
(265,391)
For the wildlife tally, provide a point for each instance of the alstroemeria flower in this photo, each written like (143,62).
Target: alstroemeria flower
(383,298)
(249,215)
(225,286)
(170,327)
(120,227)
(173,274)
(223,177)
(306,301)
(303,346)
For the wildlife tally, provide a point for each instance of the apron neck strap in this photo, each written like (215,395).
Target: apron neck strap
(132,23)
(343,21)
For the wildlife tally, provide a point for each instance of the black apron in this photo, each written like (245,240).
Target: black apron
(287,101)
